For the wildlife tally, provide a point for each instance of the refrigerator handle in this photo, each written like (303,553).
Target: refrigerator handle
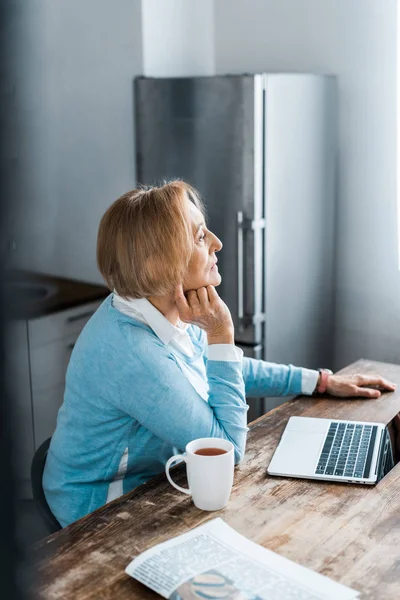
(255,226)
(240,264)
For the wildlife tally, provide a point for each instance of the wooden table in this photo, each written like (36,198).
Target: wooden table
(348,532)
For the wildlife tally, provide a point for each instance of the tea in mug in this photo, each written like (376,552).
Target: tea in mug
(210,451)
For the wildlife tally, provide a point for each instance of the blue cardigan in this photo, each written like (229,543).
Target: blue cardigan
(125,393)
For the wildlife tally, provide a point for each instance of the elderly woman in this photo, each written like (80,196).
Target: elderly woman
(156,365)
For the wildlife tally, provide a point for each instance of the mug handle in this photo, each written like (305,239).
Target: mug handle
(167,468)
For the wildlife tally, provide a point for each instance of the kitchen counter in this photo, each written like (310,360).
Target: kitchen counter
(61,294)
(350,533)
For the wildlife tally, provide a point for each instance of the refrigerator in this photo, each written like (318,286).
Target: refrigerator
(261,150)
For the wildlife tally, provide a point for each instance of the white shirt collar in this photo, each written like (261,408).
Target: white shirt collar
(163,328)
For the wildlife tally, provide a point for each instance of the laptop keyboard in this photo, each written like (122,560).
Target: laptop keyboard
(347,450)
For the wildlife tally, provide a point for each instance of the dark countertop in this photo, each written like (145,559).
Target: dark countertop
(62,293)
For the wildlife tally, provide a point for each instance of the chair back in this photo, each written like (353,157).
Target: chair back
(37,468)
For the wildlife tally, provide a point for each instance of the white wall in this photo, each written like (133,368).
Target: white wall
(76,153)
(178,37)
(355,39)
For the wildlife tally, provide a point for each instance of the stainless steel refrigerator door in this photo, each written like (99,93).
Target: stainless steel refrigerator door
(209,132)
(300,150)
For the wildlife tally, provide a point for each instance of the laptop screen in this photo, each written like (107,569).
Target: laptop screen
(388,452)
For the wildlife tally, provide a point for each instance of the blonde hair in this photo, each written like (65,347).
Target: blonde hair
(145,239)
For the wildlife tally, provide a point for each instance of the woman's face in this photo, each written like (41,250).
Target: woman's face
(202,269)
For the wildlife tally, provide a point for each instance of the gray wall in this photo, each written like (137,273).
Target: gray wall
(76,62)
(355,39)
(178,37)
(75,102)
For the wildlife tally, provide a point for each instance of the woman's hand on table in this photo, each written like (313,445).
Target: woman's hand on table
(362,386)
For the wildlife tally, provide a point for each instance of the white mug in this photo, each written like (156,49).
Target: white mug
(210,478)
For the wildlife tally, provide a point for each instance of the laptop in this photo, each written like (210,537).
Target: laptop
(333,450)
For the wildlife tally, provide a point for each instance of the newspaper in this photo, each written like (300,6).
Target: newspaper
(213,561)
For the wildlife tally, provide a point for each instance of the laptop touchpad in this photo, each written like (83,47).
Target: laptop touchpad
(297,454)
